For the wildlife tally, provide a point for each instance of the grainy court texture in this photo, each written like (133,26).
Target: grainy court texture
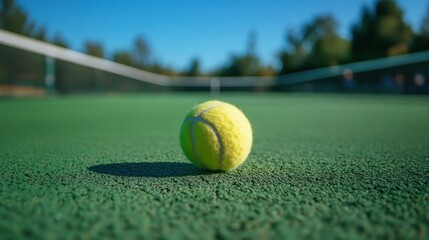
(321,167)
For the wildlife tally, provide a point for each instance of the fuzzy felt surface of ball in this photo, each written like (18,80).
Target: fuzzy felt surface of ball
(216,135)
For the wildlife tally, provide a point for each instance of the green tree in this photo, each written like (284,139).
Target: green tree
(293,56)
(381,31)
(317,44)
(94,49)
(247,64)
(241,66)
(14,19)
(40,34)
(59,41)
(123,57)
(328,48)
(158,67)
(194,68)
(141,52)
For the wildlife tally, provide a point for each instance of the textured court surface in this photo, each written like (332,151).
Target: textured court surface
(322,166)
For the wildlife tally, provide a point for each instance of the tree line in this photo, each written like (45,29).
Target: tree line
(380,31)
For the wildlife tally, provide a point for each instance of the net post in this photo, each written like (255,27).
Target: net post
(214,86)
(50,74)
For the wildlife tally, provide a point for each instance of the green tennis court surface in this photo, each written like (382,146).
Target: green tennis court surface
(322,166)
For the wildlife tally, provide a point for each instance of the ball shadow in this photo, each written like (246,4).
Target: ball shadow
(148,169)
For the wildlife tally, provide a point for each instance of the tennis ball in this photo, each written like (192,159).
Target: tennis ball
(216,135)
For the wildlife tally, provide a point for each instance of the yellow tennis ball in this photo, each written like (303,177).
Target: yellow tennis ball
(216,135)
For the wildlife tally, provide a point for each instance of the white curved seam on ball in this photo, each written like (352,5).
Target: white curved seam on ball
(219,140)
(199,118)
(194,147)
(192,118)
(206,109)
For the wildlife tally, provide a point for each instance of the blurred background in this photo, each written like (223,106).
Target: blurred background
(74,47)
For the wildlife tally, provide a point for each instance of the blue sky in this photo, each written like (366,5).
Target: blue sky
(180,30)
